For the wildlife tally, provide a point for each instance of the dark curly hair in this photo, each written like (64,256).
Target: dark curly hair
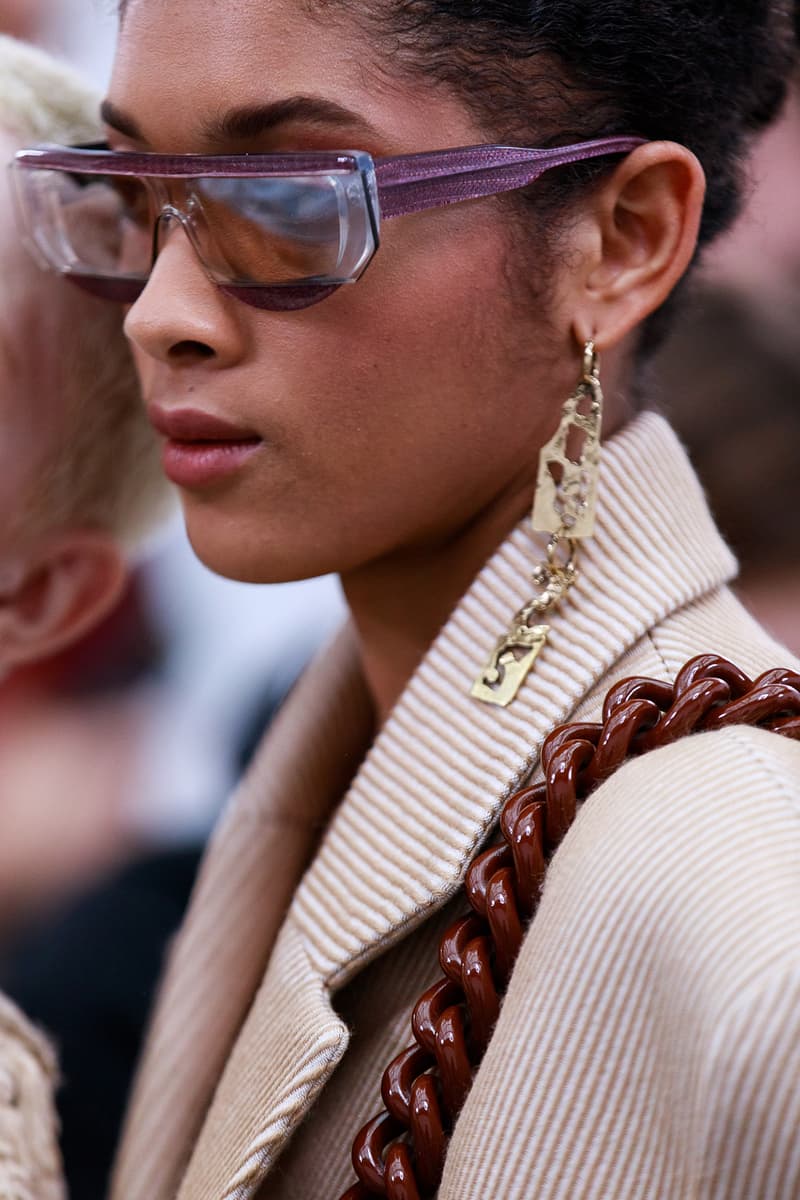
(710,74)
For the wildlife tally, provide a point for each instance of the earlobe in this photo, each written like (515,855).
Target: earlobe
(648,218)
(59,594)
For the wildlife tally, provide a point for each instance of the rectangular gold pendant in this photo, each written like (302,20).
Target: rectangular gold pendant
(510,665)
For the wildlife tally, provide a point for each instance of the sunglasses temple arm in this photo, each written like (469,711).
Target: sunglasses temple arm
(413,183)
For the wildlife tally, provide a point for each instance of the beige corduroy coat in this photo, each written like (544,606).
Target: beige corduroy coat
(649,1045)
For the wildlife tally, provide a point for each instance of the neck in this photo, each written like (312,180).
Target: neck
(400,602)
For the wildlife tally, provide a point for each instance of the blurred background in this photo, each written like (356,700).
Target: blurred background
(116,757)
(81,31)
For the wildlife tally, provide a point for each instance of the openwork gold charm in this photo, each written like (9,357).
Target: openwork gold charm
(516,652)
(566,490)
(564,506)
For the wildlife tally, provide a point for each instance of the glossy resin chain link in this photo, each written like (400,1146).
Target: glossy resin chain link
(400,1153)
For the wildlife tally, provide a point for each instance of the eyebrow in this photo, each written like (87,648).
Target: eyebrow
(254,120)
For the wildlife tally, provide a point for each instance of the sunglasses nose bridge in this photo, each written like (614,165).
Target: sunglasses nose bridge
(171,213)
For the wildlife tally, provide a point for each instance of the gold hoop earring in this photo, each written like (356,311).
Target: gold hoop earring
(564,506)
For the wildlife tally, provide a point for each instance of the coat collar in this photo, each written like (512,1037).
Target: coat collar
(245,886)
(421,803)
(436,777)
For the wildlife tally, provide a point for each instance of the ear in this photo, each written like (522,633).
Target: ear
(58,594)
(639,239)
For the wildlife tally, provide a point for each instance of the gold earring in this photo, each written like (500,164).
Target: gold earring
(564,506)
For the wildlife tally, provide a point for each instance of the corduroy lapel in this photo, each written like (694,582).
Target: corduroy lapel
(245,886)
(433,783)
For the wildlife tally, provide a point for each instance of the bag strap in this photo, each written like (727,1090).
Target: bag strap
(400,1153)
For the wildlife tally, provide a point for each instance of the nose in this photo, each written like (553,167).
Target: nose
(181,316)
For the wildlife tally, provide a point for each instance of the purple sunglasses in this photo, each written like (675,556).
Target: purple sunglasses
(277,231)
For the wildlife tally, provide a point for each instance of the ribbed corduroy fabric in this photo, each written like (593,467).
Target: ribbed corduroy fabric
(651,987)
(602,1006)
(590,1054)
(242,893)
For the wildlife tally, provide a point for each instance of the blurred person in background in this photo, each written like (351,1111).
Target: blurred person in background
(79,487)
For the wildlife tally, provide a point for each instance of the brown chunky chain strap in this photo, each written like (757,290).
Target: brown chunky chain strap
(400,1153)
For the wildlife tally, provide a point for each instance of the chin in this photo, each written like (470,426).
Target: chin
(251,556)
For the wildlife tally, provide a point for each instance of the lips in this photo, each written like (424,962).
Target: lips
(193,425)
(200,448)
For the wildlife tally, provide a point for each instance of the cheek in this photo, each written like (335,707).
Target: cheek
(420,321)
(400,355)
(384,407)
(442,263)
(399,382)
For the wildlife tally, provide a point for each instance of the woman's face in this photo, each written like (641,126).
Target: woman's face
(389,416)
